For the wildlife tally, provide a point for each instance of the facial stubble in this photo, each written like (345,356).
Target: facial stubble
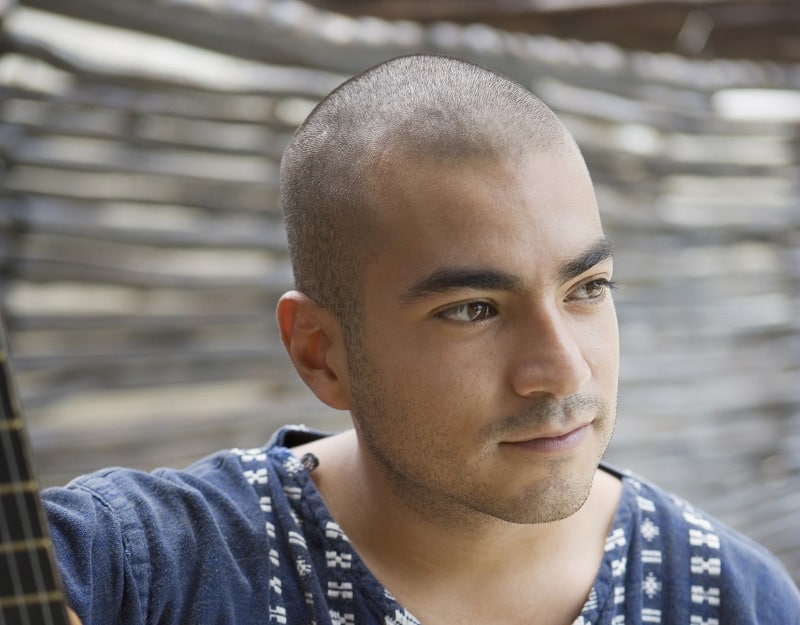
(427,473)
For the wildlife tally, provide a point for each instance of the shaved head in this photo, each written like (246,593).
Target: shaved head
(421,107)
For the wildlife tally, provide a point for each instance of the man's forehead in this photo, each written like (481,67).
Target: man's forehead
(400,184)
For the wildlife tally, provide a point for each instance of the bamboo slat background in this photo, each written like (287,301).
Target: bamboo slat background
(142,251)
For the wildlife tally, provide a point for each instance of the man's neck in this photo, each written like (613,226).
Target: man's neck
(433,564)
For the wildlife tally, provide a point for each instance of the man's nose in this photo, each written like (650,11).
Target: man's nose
(550,355)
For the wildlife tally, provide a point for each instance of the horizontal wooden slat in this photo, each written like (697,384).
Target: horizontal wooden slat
(153,225)
(46,270)
(103,157)
(302,35)
(85,183)
(33,322)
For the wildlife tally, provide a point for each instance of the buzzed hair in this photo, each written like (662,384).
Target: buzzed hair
(418,106)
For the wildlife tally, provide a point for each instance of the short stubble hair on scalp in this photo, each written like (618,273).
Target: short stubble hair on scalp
(428,107)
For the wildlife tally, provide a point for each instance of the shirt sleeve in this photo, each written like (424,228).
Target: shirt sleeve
(162,548)
(99,548)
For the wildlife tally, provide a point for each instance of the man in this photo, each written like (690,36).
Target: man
(453,293)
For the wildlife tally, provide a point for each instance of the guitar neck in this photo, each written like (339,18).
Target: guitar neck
(30,585)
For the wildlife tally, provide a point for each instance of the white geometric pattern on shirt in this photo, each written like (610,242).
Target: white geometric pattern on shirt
(339,591)
(652,560)
(340,586)
(255,473)
(704,565)
(616,549)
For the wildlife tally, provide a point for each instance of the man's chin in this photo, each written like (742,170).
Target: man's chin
(541,505)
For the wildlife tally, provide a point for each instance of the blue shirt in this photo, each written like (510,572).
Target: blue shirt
(243,538)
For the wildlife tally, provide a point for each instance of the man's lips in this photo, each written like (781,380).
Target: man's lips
(553,443)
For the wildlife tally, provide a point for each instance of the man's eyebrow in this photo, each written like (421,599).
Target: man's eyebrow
(447,279)
(594,255)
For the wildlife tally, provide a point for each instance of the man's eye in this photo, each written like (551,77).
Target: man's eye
(592,290)
(468,312)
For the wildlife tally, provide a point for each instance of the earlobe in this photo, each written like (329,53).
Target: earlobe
(313,339)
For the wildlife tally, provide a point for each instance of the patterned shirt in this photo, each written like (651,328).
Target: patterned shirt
(243,538)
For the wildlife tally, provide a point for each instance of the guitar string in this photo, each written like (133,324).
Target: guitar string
(13,464)
(5,531)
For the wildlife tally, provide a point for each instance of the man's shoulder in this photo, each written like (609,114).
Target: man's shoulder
(690,522)
(685,546)
(224,477)
(217,485)
(140,528)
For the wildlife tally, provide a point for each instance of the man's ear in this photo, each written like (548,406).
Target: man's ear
(313,338)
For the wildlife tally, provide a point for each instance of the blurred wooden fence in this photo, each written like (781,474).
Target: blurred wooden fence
(142,252)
